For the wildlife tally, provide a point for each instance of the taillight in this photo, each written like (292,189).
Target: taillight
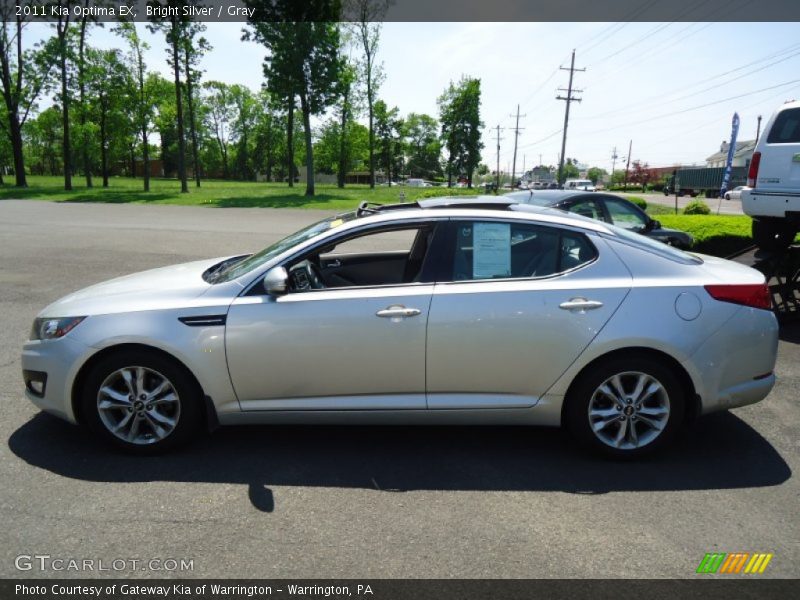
(752,294)
(752,174)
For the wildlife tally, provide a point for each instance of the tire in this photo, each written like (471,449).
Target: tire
(617,425)
(773,235)
(143,403)
(727,196)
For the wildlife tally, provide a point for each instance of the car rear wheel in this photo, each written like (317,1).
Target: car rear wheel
(141,403)
(773,235)
(626,407)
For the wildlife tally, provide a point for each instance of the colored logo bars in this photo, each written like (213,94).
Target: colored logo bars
(736,562)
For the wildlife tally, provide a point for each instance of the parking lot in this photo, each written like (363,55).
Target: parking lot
(360,502)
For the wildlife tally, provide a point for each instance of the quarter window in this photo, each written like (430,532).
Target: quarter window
(502,250)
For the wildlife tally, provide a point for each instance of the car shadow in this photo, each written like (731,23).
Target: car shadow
(717,452)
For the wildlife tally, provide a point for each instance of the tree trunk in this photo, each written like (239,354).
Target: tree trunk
(309,149)
(290,142)
(179,108)
(65,107)
(343,141)
(133,160)
(17,149)
(87,167)
(192,125)
(103,141)
(371,130)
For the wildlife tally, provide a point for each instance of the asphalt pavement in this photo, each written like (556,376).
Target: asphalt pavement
(359,502)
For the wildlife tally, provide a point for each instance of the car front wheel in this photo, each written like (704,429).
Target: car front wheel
(625,408)
(141,403)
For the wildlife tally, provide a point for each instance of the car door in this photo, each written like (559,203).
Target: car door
(779,170)
(520,304)
(350,347)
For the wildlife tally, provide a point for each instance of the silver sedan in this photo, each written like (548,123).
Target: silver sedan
(453,310)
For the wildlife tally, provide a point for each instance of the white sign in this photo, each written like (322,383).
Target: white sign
(491,250)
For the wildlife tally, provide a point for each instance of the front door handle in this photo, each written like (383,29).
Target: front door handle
(580,305)
(397,311)
(333,264)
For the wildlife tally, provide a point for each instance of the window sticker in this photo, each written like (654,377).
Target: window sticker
(491,250)
(336,223)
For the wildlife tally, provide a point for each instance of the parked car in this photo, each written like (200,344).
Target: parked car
(413,182)
(606,207)
(735,193)
(772,195)
(449,310)
(585,185)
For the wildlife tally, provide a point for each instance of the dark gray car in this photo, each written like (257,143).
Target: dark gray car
(605,207)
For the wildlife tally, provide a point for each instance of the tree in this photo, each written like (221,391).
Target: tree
(347,111)
(141,96)
(174,32)
(389,133)
(459,109)
(570,170)
(304,61)
(423,147)
(62,26)
(246,116)
(42,136)
(219,116)
(368,16)
(267,137)
(192,52)
(641,173)
(596,174)
(23,75)
(109,82)
(87,17)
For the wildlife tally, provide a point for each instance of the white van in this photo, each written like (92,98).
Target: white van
(580,184)
(772,195)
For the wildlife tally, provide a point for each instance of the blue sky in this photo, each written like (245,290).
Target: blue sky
(662,85)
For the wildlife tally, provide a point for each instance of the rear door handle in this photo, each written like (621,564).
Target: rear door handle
(397,311)
(333,264)
(580,304)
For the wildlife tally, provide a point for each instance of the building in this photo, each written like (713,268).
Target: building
(741,156)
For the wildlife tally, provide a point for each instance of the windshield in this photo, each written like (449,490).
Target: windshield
(256,260)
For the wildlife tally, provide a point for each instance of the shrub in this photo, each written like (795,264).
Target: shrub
(696,207)
(638,201)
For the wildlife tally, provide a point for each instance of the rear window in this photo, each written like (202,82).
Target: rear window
(786,129)
(653,246)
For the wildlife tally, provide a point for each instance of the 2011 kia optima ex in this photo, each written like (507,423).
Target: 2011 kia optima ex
(440,311)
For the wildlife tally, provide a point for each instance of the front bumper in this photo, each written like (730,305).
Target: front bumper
(58,361)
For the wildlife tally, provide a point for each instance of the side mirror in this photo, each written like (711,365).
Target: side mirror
(276,281)
(653,224)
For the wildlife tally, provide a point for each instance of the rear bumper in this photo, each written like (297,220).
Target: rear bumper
(736,364)
(780,204)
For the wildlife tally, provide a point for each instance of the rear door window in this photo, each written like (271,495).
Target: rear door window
(502,250)
(786,129)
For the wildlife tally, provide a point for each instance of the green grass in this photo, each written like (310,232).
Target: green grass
(218,193)
(720,235)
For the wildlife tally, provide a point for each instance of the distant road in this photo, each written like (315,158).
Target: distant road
(725,207)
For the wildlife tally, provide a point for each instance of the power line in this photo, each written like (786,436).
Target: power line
(699,106)
(569,98)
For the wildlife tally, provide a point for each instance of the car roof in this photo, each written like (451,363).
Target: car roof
(465,206)
(551,196)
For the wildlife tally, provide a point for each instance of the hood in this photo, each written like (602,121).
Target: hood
(147,290)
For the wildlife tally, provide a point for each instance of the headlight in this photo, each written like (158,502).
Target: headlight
(50,329)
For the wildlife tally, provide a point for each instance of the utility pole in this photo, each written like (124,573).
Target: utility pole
(758,130)
(497,180)
(514,162)
(628,166)
(614,157)
(569,98)
(523,165)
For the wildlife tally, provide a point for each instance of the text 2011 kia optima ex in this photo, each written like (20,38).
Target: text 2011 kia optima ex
(459,311)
